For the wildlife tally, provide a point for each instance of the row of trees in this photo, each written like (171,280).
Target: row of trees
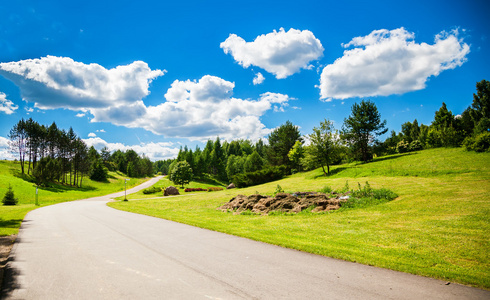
(357,140)
(50,154)
(470,129)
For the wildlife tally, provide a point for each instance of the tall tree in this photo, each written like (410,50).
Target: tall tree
(18,141)
(281,140)
(324,144)
(361,128)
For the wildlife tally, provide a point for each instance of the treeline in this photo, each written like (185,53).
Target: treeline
(471,129)
(285,151)
(51,154)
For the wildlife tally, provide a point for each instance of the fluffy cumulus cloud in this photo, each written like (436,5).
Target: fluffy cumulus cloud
(206,108)
(5,152)
(154,151)
(279,52)
(258,79)
(7,106)
(60,82)
(390,62)
(198,109)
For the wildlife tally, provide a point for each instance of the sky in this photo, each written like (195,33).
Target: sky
(154,76)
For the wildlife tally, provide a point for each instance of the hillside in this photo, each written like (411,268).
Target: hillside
(25,190)
(439,226)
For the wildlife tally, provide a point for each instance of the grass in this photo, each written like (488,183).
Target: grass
(11,216)
(439,226)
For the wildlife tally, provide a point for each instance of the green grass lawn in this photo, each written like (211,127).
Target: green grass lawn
(11,216)
(439,226)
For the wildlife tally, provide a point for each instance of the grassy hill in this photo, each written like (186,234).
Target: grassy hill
(12,216)
(439,226)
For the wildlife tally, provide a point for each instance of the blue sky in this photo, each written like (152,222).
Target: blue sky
(155,75)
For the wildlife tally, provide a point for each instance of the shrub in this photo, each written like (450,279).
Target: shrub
(367,196)
(259,177)
(9,198)
(402,147)
(415,145)
(326,190)
(479,143)
(214,189)
(195,190)
(152,190)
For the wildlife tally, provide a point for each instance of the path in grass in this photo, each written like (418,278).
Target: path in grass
(439,226)
(87,250)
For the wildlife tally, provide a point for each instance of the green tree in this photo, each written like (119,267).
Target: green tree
(295,155)
(281,140)
(253,162)
(481,100)
(361,128)
(324,145)
(234,165)
(9,198)
(181,173)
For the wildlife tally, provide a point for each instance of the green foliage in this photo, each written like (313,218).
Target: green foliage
(253,162)
(181,173)
(9,198)
(361,128)
(258,177)
(324,146)
(415,145)
(99,172)
(234,165)
(326,189)
(479,143)
(367,196)
(281,140)
(278,190)
(295,155)
(152,190)
(402,147)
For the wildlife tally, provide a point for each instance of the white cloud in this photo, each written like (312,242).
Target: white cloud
(258,79)
(197,110)
(6,105)
(280,53)
(50,81)
(5,152)
(390,62)
(154,151)
(92,134)
(204,109)
(80,115)
(100,130)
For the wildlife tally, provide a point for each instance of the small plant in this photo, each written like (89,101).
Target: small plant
(214,189)
(326,190)
(9,198)
(278,190)
(346,187)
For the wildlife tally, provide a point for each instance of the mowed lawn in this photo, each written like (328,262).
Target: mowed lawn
(439,226)
(11,216)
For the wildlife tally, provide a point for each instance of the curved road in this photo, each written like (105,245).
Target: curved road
(87,250)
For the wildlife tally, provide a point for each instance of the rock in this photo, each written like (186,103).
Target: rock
(170,191)
(231,186)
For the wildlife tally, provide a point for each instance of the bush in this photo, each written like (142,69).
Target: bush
(152,190)
(259,177)
(326,190)
(9,198)
(214,189)
(415,145)
(479,143)
(402,147)
(195,190)
(367,196)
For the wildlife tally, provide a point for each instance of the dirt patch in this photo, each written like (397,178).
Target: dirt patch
(6,244)
(283,202)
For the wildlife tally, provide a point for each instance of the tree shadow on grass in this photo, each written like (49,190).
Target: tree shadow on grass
(332,172)
(61,188)
(11,223)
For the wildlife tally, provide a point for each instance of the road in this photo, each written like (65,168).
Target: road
(87,250)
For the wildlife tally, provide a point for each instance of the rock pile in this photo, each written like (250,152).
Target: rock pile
(171,190)
(283,202)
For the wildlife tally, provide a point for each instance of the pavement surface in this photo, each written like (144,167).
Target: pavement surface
(87,250)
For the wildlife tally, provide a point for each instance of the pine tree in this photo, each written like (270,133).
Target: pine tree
(9,198)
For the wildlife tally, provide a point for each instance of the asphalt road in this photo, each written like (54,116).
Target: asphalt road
(86,250)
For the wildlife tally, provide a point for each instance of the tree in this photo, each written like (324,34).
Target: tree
(324,142)
(18,141)
(281,140)
(481,100)
(295,155)
(234,165)
(9,198)
(181,173)
(361,128)
(253,162)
